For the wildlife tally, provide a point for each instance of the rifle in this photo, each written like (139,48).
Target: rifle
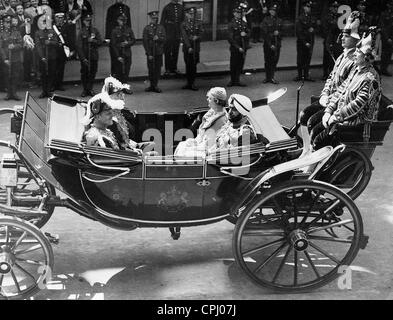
(47,56)
(154,42)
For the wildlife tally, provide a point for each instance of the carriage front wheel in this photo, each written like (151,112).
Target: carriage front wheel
(307,231)
(26,259)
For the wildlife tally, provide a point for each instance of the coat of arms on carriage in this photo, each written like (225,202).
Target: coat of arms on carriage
(173,201)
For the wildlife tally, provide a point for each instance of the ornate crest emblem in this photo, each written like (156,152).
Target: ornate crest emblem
(173,201)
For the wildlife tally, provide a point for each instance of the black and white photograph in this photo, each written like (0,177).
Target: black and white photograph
(211,152)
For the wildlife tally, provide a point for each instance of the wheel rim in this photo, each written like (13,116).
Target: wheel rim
(26,259)
(296,253)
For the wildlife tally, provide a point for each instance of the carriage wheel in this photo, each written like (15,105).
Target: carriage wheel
(352,166)
(26,259)
(290,251)
(28,186)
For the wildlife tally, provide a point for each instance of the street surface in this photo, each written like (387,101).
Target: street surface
(95,262)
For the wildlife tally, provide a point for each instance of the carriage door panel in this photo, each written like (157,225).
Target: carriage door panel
(173,192)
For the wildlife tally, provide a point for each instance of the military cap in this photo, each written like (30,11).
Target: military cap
(307,3)
(238,9)
(153,13)
(273,7)
(87,16)
(334,4)
(7,17)
(190,10)
(59,14)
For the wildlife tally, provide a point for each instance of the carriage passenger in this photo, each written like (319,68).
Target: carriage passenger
(237,131)
(355,103)
(312,115)
(122,127)
(210,124)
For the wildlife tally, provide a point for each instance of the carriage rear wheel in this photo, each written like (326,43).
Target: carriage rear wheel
(351,172)
(26,259)
(290,250)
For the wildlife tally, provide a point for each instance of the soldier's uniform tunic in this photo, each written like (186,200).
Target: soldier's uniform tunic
(171,18)
(305,33)
(386,25)
(121,34)
(272,54)
(237,41)
(154,49)
(88,55)
(12,72)
(355,102)
(190,29)
(48,51)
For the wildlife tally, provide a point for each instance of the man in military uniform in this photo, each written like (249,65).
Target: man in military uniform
(154,38)
(386,26)
(365,19)
(272,30)
(47,44)
(171,18)
(305,33)
(11,46)
(66,34)
(191,31)
(331,32)
(89,39)
(114,11)
(345,63)
(238,38)
(2,66)
(122,38)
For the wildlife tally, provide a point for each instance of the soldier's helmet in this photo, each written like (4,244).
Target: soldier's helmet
(368,44)
(273,7)
(334,4)
(190,10)
(153,14)
(307,3)
(352,26)
(87,17)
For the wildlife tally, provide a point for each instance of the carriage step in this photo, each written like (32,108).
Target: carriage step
(175,233)
(364,242)
(53,238)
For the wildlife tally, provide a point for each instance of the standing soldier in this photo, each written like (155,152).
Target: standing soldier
(112,14)
(171,18)
(154,38)
(191,31)
(365,19)
(11,45)
(238,37)
(305,33)
(47,44)
(64,33)
(271,29)
(2,66)
(331,33)
(122,39)
(386,25)
(89,39)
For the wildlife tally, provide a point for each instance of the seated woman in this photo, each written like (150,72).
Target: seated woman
(121,127)
(211,123)
(354,103)
(97,121)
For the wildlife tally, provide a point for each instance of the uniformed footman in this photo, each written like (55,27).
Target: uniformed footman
(122,38)
(154,38)
(191,30)
(238,38)
(305,33)
(272,31)
(47,45)
(171,18)
(11,46)
(88,41)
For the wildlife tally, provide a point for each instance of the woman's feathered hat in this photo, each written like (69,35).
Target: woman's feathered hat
(368,43)
(353,24)
(98,104)
(112,85)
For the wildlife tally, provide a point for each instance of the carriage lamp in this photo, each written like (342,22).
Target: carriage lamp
(8,171)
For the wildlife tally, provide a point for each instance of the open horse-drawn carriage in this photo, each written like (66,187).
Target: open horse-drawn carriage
(293,229)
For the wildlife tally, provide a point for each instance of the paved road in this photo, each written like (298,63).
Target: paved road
(95,262)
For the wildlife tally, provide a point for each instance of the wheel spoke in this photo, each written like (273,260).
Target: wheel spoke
(330,239)
(310,209)
(18,242)
(7,235)
(33,248)
(25,271)
(295,268)
(282,264)
(326,254)
(311,263)
(15,281)
(33,262)
(1,280)
(270,258)
(268,245)
(334,225)
(262,233)
(294,207)
(323,214)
